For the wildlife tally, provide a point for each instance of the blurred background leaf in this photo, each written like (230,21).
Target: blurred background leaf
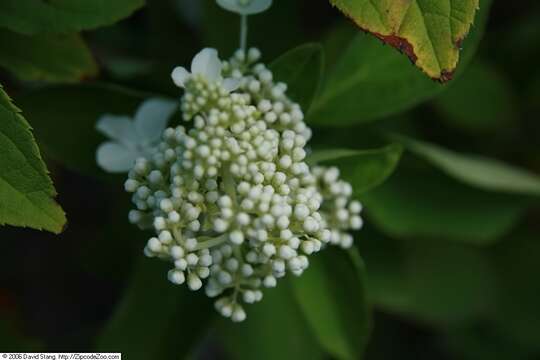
(63,16)
(481,101)
(475,170)
(332,297)
(46,57)
(438,283)
(274,329)
(301,69)
(68,134)
(155,319)
(365,169)
(420,202)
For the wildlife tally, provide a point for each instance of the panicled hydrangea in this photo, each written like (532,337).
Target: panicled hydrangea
(233,203)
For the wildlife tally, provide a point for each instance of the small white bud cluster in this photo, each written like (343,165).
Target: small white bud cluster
(341,213)
(232,199)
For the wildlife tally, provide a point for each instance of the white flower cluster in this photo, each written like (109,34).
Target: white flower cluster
(230,196)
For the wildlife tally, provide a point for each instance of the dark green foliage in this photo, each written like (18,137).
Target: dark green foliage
(445,268)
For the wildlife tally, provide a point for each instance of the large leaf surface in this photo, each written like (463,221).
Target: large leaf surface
(26,191)
(429,32)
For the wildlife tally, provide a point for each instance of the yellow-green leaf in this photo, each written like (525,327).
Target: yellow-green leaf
(26,192)
(429,32)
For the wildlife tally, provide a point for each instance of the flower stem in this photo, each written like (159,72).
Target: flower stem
(229,185)
(212,242)
(243,32)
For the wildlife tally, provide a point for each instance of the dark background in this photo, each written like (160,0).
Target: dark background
(58,292)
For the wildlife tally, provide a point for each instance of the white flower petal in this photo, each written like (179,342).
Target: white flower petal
(245,7)
(115,158)
(152,117)
(207,63)
(231,84)
(180,76)
(120,128)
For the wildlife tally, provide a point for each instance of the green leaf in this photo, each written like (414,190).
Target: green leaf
(155,319)
(481,101)
(421,202)
(275,328)
(437,282)
(371,81)
(301,69)
(26,191)
(335,41)
(65,120)
(46,57)
(429,32)
(477,171)
(63,16)
(364,169)
(332,298)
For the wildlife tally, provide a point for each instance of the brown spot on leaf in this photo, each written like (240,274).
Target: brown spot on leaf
(405,47)
(446,75)
(459,43)
(402,44)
